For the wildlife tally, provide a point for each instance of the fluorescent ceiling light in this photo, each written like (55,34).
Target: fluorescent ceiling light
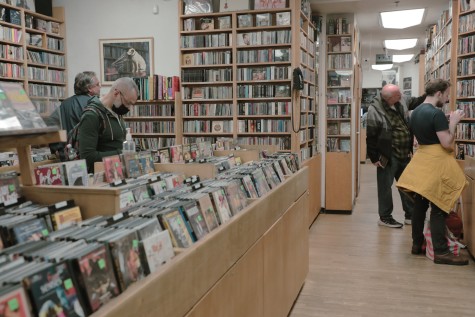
(400,44)
(401,19)
(382,67)
(402,58)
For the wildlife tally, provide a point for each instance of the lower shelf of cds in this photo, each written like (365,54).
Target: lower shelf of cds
(253,266)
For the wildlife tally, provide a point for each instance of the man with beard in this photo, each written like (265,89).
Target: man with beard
(433,175)
(96,141)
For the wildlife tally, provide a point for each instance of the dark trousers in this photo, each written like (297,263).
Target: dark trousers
(385,179)
(437,225)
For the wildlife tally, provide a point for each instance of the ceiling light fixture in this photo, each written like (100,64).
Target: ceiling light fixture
(402,58)
(401,19)
(400,44)
(382,67)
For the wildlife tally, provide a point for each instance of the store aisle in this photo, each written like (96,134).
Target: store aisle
(358,268)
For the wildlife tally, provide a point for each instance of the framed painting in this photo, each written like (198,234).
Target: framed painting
(125,58)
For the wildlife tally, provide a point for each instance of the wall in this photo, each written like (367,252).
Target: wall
(410,70)
(87,21)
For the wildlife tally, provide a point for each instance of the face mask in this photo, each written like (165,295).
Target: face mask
(121,110)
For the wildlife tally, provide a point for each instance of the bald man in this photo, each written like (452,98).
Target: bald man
(389,146)
(96,142)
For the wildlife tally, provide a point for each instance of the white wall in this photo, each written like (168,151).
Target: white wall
(410,69)
(87,21)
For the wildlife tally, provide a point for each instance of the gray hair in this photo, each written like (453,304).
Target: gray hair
(125,84)
(82,81)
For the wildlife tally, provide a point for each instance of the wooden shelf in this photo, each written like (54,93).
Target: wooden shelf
(22,141)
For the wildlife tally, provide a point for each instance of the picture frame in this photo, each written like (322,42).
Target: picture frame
(269,4)
(233,5)
(128,57)
(407,83)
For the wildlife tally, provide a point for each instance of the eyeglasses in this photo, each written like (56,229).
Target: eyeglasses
(127,102)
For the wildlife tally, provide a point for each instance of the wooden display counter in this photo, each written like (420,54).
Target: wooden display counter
(314,165)
(254,265)
(468,216)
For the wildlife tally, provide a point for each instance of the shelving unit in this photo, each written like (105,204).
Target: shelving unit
(465,80)
(156,123)
(33,52)
(236,77)
(342,108)
(22,143)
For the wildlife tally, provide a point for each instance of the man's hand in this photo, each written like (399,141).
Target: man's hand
(378,164)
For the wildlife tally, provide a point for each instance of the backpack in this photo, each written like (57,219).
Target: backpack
(70,150)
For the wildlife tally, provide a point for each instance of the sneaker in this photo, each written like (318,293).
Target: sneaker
(450,259)
(408,221)
(389,222)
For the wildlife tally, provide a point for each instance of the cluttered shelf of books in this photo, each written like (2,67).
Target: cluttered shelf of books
(465,96)
(341,104)
(112,252)
(155,120)
(244,57)
(32,52)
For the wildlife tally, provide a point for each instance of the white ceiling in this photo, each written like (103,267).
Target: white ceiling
(372,33)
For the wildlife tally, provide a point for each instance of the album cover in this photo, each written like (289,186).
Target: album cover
(221,205)
(126,199)
(10,190)
(51,174)
(283,18)
(245,20)
(158,187)
(176,153)
(164,155)
(186,152)
(113,168)
(53,292)
(141,193)
(249,186)
(126,258)
(206,24)
(146,163)
(175,224)
(94,272)
(65,218)
(30,230)
(131,163)
(196,220)
(205,149)
(13,302)
(260,182)
(236,196)
(76,173)
(209,214)
(158,250)
(224,22)
(278,170)
(188,59)
(263,19)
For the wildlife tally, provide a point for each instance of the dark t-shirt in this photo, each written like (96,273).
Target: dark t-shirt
(426,120)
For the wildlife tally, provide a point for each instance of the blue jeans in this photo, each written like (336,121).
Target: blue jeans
(385,180)
(437,225)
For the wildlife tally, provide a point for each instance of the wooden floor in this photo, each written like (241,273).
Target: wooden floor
(358,268)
